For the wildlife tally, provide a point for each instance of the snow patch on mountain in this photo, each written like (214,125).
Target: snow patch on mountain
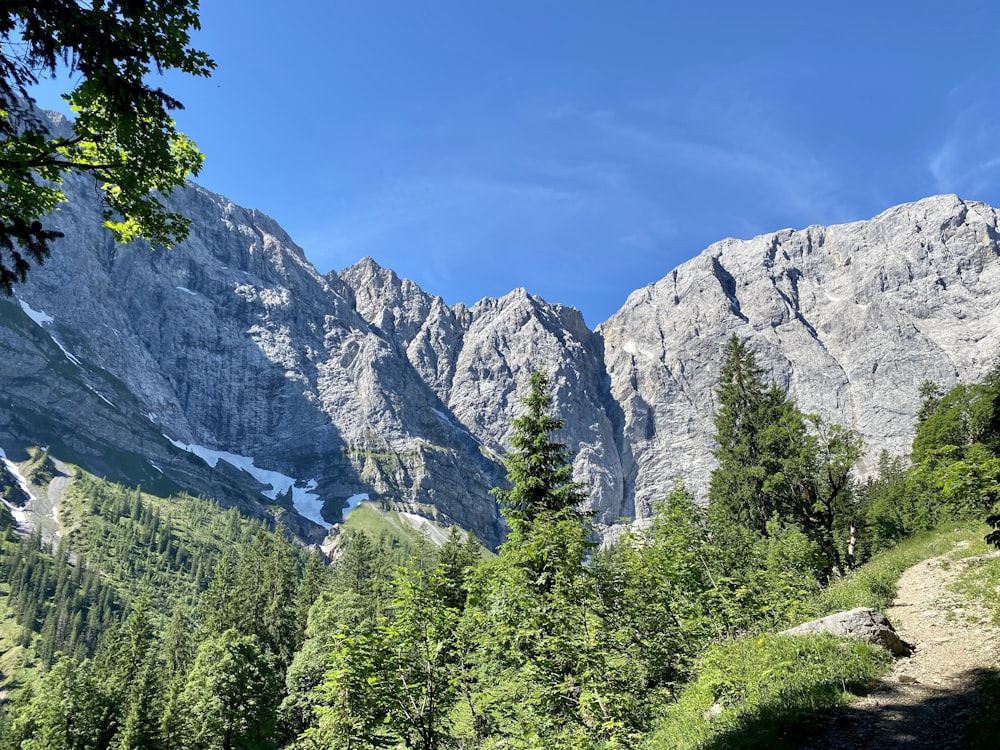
(38,316)
(354,501)
(306,502)
(19,514)
(44,320)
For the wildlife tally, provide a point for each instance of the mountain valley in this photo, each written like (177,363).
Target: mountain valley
(230,367)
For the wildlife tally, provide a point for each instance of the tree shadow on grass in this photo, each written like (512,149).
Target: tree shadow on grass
(915,717)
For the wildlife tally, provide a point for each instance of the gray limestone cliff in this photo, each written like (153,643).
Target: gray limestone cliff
(478,362)
(230,366)
(850,319)
(229,344)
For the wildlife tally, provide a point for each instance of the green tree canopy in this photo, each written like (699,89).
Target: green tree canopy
(539,468)
(231,696)
(775,461)
(123,134)
(964,416)
(757,431)
(532,628)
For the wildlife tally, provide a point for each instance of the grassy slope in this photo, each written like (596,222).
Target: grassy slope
(401,531)
(761,692)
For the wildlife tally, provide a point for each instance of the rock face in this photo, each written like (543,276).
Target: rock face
(478,362)
(231,343)
(208,366)
(850,319)
(863,623)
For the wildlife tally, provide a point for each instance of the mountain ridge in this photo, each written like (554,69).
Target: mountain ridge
(362,382)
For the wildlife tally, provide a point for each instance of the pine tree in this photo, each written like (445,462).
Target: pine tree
(539,469)
(265,586)
(456,560)
(532,623)
(231,696)
(755,427)
(142,713)
(776,462)
(356,599)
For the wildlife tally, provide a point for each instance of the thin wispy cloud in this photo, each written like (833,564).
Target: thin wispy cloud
(645,185)
(967,162)
(725,138)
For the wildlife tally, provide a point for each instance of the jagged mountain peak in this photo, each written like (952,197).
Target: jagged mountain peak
(363,383)
(850,318)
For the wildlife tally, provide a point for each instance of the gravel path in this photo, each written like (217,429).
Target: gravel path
(928,698)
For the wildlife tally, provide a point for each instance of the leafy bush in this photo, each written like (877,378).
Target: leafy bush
(993,519)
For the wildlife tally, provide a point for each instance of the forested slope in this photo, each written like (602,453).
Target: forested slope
(169,623)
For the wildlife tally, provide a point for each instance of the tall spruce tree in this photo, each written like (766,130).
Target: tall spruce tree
(755,428)
(775,461)
(532,629)
(539,469)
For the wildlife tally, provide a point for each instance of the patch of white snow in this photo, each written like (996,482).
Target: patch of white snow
(100,395)
(19,514)
(309,504)
(306,503)
(36,315)
(354,501)
(43,319)
(66,351)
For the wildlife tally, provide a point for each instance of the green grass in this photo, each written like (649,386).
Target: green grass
(402,535)
(980,581)
(874,584)
(39,469)
(762,692)
(376,522)
(770,691)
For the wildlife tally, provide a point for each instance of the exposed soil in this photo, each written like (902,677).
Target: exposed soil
(928,698)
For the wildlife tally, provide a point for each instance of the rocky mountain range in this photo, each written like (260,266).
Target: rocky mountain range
(230,367)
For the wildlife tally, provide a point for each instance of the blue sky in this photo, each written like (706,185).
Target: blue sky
(584,149)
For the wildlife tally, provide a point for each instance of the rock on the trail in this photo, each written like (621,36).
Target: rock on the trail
(863,623)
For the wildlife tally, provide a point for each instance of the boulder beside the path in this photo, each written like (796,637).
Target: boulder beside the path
(863,623)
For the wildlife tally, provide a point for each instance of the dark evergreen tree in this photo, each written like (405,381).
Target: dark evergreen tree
(231,695)
(776,462)
(345,614)
(456,560)
(265,595)
(539,469)
(533,627)
(755,427)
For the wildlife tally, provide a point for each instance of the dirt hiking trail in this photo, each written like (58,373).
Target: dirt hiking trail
(927,699)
